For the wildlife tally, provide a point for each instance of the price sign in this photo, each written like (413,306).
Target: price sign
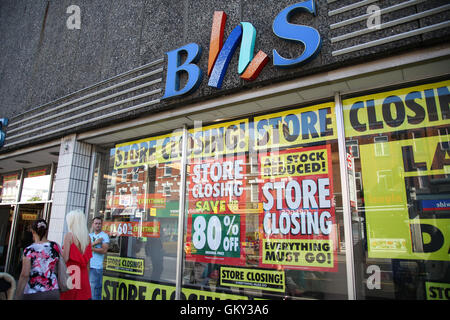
(216,237)
(150,229)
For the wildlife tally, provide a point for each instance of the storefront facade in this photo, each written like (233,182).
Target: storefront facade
(319,170)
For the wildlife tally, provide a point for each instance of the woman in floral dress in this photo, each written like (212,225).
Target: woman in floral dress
(38,278)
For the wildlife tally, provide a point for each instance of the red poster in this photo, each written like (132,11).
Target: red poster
(297,225)
(216,211)
(149,229)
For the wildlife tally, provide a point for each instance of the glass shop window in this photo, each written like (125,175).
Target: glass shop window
(9,187)
(36,185)
(264,208)
(401,216)
(140,217)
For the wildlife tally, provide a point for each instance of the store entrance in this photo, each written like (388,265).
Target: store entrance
(27,213)
(6,216)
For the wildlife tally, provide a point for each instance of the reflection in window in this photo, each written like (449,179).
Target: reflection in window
(404,205)
(36,185)
(381,148)
(384,178)
(10,187)
(235,246)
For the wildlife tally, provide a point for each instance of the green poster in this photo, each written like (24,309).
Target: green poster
(216,235)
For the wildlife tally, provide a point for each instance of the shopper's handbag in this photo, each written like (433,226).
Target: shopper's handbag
(64,279)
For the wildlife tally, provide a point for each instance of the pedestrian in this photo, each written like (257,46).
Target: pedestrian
(38,278)
(100,244)
(77,253)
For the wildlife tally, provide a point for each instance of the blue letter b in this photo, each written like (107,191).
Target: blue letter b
(193,51)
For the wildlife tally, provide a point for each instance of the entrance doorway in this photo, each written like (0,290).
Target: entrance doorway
(6,216)
(27,213)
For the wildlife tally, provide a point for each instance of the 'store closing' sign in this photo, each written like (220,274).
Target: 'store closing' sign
(298,217)
(216,221)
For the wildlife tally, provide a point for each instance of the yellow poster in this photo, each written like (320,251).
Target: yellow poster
(262,279)
(122,289)
(408,108)
(149,151)
(299,126)
(220,139)
(437,291)
(125,265)
(300,254)
(406,216)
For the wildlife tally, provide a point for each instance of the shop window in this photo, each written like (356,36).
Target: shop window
(263,213)
(167,190)
(400,227)
(352,145)
(124,175)
(9,187)
(167,170)
(358,181)
(141,217)
(135,172)
(36,185)
(381,148)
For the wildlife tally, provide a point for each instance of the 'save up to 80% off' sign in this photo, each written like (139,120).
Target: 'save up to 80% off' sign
(216,235)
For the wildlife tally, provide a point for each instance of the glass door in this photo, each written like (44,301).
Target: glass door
(6,215)
(27,213)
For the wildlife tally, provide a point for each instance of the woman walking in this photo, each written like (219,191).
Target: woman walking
(77,252)
(38,278)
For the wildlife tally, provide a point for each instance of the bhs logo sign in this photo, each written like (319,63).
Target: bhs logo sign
(249,65)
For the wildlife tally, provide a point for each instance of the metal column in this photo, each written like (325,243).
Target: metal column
(350,266)
(181,220)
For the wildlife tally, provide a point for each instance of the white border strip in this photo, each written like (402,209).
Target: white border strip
(350,7)
(151,64)
(382,11)
(139,106)
(396,37)
(392,23)
(160,70)
(87,105)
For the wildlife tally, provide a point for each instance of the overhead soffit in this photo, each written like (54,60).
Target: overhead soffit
(31,159)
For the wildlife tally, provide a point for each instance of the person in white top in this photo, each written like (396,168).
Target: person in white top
(100,245)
